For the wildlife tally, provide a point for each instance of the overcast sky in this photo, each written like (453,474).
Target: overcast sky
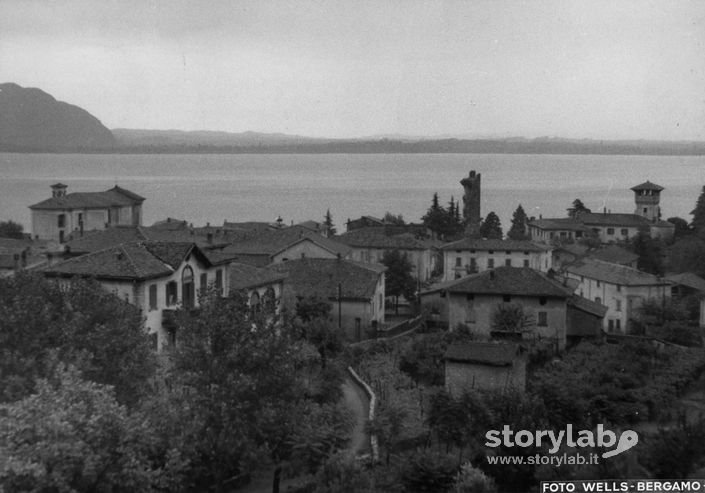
(595,69)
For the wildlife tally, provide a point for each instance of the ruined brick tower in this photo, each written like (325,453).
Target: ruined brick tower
(471,204)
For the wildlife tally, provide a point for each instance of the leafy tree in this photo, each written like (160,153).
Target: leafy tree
(427,472)
(511,317)
(398,280)
(687,255)
(11,229)
(328,223)
(387,425)
(682,227)
(72,435)
(241,389)
(698,223)
(491,227)
(83,324)
(316,328)
(472,480)
(650,252)
(577,208)
(518,230)
(396,220)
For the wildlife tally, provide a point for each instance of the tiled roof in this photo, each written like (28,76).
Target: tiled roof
(377,238)
(274,241)
(128,261)
(688,279)
(7,261)
(321,277)
(614,254)
(115,197)
(493,244)
(251,226)
(486,353)
(587,305)
(612,273)
(558,224)
(647,185)
(610,219)
(517,281)
(244,276)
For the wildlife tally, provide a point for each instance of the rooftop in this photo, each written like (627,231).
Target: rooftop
(378,238)
(243,276)
(647,185)
(115,197)
(613,273)
(687,279)
(272,242)
(486,353)
(129,261)
(614,254)
(321,278)
(494,244)
(517,281)
(558,224)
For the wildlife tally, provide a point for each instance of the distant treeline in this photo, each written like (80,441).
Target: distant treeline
(385,146)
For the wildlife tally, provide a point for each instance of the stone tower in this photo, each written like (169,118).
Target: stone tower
(647,197)
(471,204)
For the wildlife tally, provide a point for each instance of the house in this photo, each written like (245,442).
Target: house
(475,301)
(471,255)
(354,290)
(585,320)
(260,285)
(608,227)
(280,245)
(620,288)
(64,213)
(686,285)
(370,244)
(154,276)
(364,222)
(484,366)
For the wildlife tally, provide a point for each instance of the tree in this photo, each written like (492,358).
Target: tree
(328,223)
(398,280)
(650,252)
(241,389)
(72,435)
(316,328)
(687,255)
(698,223)
(512,318)
(577,208)
(491,227)
(682,227)
(518,229)
(396,220)
(11,229)
(83,324)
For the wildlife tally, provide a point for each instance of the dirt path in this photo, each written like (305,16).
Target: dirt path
(356,400)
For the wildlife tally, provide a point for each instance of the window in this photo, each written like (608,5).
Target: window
(618,324)
(204,282)
(490,263)
(458,261)
(578,234)
(171,293)
(153,297)
(610,325)
(508,262)
(490,252)
(61,220)
(610,231)
(508,252)
(646,210)
(526,262)
(619,288)
(219,280)
(542,319)
(473,264)
(543,300)
(469,296)
(187,287)
(598,284)
(506,298)
(598,300)
(624,232)
(526,252)
(80,219)
(618,305)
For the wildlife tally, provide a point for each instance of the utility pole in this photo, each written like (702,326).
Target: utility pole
(340,305)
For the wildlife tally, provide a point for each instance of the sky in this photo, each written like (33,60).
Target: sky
(627,69)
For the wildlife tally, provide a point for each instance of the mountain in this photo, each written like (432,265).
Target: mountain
(127,137)
(32,120)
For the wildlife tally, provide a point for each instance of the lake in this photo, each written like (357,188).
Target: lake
(213,188)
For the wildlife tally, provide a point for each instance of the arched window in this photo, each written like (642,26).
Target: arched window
(254,302)
(188,291)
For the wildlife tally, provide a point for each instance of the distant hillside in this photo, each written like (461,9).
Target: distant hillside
(32,120)
(135,137)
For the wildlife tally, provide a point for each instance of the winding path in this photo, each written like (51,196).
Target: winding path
(356,400)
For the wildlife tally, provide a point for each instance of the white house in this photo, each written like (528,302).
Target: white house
(471,255)
(154,276)
(620,288)
(64,213)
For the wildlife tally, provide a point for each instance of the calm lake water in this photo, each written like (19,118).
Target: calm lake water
(212,188)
